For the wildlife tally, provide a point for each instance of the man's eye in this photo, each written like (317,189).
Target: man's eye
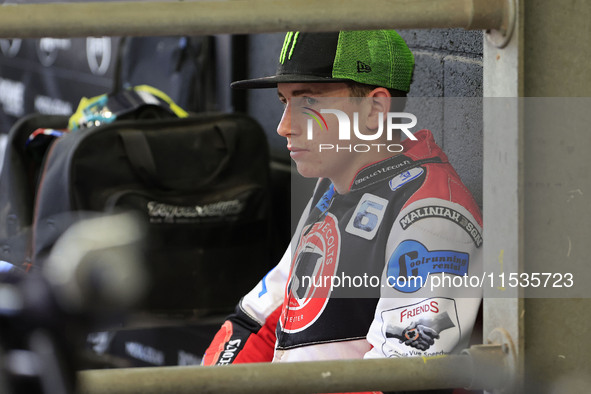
(310,101)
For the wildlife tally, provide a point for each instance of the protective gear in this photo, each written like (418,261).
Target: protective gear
(345,289)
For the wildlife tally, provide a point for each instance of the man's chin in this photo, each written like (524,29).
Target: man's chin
(307,170)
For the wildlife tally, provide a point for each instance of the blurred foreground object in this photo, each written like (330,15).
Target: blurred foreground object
(97,264)
(94,273)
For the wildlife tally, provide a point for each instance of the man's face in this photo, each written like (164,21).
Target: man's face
(300,101)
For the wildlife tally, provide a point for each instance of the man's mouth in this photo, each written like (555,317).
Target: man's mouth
(295,149)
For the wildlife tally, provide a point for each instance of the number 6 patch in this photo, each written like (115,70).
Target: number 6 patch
(367,217)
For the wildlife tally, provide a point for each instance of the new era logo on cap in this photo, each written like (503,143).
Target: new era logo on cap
(362,67)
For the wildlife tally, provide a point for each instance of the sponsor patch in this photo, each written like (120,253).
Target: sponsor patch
(436,211)
(367,217)
(230,352)
(374,174)
(220,344)
(423,328)
(413,261)
(314,264)
(400,180)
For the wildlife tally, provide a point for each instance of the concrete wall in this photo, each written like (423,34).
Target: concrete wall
(448,68)
(448,65)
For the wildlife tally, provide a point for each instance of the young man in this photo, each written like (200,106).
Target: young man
(383,212)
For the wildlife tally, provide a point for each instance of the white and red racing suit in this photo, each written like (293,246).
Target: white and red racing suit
(405,217)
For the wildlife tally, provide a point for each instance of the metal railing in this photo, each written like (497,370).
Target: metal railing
(480,367)
(245,16)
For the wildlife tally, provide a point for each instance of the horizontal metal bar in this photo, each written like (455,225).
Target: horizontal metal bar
(242,17)
(482,367)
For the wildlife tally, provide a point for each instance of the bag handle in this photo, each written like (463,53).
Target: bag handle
(142,160)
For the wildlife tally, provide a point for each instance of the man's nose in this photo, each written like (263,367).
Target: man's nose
(284,126)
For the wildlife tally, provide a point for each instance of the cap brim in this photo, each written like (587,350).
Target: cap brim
(271,82)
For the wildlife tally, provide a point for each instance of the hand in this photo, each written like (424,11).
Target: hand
(418,336)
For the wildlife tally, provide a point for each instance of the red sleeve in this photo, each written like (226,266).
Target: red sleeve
(260,346)
(243,340)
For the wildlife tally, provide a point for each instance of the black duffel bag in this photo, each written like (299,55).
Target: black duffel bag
(199,183)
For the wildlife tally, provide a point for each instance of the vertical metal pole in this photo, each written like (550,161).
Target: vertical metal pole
(557,141)
(536,189)
(503,182)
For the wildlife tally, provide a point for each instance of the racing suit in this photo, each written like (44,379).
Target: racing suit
(405,217)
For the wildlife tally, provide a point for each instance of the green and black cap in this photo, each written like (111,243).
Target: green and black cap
(372,57)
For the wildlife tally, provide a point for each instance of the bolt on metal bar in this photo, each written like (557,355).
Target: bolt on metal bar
(480,367)
(243,17)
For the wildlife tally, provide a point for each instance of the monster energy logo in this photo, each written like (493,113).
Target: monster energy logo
(288,45)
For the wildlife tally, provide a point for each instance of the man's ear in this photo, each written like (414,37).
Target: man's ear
(379,102)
